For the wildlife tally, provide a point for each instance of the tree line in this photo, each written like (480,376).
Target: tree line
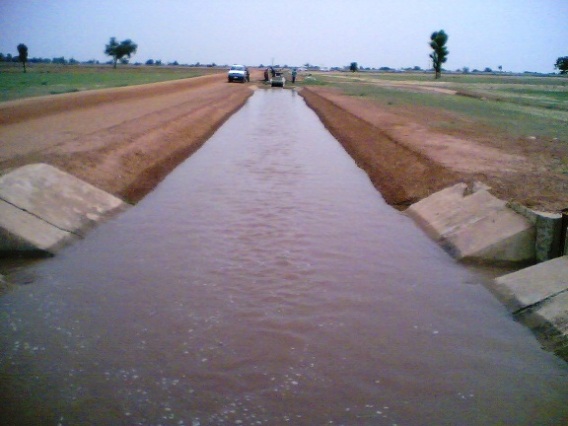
(122,51)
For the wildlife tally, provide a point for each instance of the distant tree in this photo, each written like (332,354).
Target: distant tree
(440,53)
(465,70)
(60,60)
(8,57)
(23,54)
(487,69)
(500,68)
(562,64)
(150,62)
(119,51)
(353,67)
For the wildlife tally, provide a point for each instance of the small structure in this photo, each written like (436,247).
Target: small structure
(476,226)
(42,209)
(278,80)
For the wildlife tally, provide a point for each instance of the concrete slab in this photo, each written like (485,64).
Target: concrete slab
(476,226)
(548,231)
(494,235)
(44,208)
(533,285)
(57,197)
(538,296)
(23,232)
(554,313)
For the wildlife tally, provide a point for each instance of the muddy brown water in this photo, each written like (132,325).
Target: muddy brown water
(265,281)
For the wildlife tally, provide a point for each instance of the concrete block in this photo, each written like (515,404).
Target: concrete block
(57,197)
(527,287)
(23,232)
(548,230)
(476,226)
(553,313)
(494,235)
(43,208)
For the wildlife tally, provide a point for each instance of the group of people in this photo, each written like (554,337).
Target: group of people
(273,73)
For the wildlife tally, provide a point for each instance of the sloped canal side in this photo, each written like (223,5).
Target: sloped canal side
(265,281)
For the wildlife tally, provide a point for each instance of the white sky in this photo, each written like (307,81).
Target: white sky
(520,35)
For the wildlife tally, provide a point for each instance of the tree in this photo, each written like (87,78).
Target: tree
(353,67)
(23,54)
(119,50)
(438,41)
(562,64)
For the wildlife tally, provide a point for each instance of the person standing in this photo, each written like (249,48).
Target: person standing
(294,72)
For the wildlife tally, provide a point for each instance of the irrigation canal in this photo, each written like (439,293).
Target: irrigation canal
(265,281)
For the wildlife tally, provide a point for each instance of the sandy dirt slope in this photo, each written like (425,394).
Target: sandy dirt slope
(126,140)
(123,141)
(407,160)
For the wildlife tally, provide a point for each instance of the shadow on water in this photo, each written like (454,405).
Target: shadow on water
(265,281)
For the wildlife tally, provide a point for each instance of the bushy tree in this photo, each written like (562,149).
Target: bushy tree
(119,51)
(440,53)
(23,54)
(353,67)
(562,64)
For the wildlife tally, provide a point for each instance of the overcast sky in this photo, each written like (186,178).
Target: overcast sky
(520,35)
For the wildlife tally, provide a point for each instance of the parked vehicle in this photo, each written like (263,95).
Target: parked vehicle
(238,73)
(278,80)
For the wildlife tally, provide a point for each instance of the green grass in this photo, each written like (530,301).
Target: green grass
(49,79)
(520,106)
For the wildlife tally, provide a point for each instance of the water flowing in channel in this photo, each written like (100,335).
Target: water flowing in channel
(265,281)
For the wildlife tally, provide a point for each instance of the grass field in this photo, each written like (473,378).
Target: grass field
(517,105)
(51,79)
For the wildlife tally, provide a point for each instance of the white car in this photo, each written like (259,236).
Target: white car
(238,73)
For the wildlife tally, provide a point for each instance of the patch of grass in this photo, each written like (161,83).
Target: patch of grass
(518,106)
(310,80)
(46,79)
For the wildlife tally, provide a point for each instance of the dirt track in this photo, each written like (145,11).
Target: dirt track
(126,140)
